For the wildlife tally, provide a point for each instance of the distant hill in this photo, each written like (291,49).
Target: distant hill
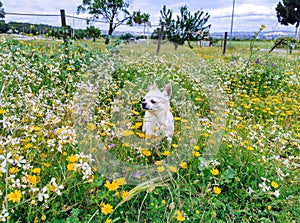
(37,29)
(28,28)
(250,35)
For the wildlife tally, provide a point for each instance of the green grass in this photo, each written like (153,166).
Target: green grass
(251,100)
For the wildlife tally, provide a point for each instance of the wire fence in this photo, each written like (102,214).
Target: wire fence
(77,23)
(80,22)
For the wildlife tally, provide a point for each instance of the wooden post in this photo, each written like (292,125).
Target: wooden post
(63,18)
(225,43)
(160,36)
(63,23)
(276,45)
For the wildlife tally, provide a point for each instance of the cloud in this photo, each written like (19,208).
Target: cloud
(249,14)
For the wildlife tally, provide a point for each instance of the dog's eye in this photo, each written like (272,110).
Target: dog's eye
(142,99)
(153,102)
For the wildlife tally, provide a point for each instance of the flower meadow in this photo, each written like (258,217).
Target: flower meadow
(72,147)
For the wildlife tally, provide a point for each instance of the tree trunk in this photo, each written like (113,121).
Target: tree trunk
(297,25)
(110,31)
(176,46)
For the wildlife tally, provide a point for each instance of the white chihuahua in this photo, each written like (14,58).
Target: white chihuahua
(158,118)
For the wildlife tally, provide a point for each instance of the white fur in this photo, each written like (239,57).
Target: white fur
(158,119)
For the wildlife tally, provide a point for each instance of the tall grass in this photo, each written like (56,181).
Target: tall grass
(48,176)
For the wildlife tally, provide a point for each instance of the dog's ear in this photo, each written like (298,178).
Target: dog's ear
(168,90)
(153,87)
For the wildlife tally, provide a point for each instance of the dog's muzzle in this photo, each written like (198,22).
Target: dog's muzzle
(144,106)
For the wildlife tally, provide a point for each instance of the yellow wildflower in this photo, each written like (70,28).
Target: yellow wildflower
(125,144)
(183,165)
(196,153)
(217,190)
(91,126)
(146,152)
(121,181)
(72,159)
(174,145)
(250,148)
(14,170)
(36,128)
(124,194)
(102,133)
(274,184)
(111,186)
(137,125)
(214,171)
(160,169)
(15,196)
(179,216)
(196,148)
(46,164)
(32,179)
(71,166)
(28,146)
(106,209)
(262,27)
(166,153)
(43,217)
(127,133)
(173,169)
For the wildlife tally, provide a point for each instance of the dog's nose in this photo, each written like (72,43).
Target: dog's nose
(144,105)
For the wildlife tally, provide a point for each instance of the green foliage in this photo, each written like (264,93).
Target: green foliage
(289,42)
(252,42)
(26,28)
(126,36)
(80,33)
(2,13)
(60,33)
(93,32)
(4,27)
(109,10)
(139,18)
(186,27)
(288,12)
(254,177)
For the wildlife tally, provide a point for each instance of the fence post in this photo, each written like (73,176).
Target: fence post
(63,18)
(160,36)
(63,22)
(225,43)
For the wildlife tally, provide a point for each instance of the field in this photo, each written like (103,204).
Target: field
(72,147)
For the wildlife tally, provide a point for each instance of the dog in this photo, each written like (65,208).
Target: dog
(158,119)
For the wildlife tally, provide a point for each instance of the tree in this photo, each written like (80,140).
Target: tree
(140,18)
(186,27)
(61,32)
(288,12)
(3,26)
(109,10)
(126,36)
(93,32)
(2,13)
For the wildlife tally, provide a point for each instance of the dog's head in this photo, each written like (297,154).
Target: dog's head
(156,100)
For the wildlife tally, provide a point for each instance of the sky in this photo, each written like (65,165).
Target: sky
(249,15)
